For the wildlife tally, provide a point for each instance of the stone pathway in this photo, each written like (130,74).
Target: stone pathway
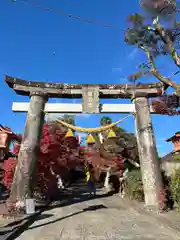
(97,219)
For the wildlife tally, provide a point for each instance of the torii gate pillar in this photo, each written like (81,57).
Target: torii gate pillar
(150,166)
(23,179)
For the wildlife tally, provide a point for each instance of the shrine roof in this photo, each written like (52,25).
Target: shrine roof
(177,135)
(7,130)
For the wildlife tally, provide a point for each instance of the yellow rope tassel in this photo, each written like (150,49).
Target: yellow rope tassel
(92,130)
(111,134)
(90,139)
(69,133)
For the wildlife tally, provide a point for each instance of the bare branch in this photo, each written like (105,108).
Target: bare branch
(134,77)
(167,40)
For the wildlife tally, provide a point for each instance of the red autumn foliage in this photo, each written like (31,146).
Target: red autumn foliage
(93,155)
(9,168)
(167,105)
(57,154)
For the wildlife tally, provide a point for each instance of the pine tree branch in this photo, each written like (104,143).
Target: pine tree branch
(156,73)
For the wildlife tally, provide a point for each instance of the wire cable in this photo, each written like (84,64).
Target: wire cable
(69,15)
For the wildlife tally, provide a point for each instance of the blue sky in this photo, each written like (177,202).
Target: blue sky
(37,45)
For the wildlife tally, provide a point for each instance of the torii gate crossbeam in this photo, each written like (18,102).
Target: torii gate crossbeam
(76,108)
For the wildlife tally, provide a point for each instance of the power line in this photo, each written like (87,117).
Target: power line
(69,15)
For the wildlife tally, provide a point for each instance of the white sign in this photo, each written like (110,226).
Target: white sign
(30,206)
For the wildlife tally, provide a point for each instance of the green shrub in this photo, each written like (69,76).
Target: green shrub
(175,186)
(135,185)
(176,157)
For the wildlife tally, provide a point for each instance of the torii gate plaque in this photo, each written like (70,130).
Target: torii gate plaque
(91,94)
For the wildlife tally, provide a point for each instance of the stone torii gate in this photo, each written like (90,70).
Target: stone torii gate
(39,92)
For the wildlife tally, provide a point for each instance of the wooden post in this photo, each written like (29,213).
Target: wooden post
(150,166)
(106,182)
(23,181)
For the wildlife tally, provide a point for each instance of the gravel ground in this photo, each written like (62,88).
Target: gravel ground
(101,218)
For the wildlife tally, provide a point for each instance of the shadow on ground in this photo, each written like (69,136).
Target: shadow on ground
(72,195)
(90,208)
(70,200)
(14,225)
(76,194)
